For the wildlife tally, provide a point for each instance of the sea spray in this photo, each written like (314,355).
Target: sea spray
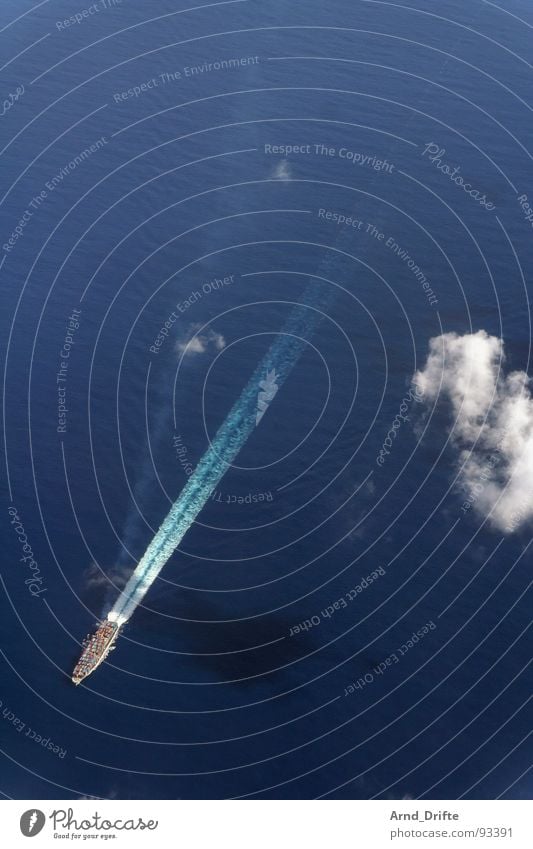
(241,421)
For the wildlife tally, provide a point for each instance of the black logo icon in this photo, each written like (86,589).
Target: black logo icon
(32,822)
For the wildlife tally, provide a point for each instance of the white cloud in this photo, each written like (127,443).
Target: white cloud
(199,343)
(282,171)
(95,578)
(493,423)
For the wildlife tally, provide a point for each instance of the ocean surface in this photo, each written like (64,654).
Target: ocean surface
(145,163)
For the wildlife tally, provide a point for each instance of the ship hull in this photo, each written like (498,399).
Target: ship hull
(96,648)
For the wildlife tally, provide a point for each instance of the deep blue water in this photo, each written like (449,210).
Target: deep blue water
(208,695)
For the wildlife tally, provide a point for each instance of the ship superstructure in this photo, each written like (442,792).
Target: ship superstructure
(96,647)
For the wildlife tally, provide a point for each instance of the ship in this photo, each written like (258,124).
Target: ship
(96,648)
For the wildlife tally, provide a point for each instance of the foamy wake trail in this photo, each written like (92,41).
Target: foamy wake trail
(229,439)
